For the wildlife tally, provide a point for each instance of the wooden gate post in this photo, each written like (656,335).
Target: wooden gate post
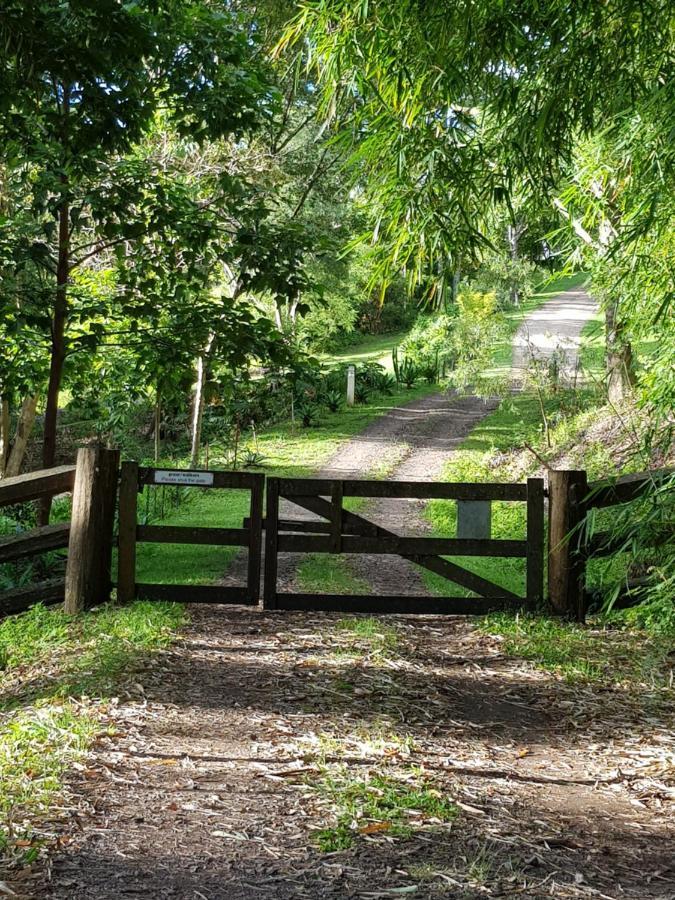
(566,564)
(91,528)
(271,544)
(535,541)
(126,543)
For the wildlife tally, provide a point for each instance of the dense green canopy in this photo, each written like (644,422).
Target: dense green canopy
(453,106)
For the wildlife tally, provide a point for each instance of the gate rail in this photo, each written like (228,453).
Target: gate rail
(343,531)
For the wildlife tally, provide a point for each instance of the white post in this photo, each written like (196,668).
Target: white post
(351,381)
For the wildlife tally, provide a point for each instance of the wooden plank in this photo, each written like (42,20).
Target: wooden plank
(31,543)
(193,593)
(271,544)
(221,478)
(354,523)
(255,538)
(187,534)
(91,528)
(421,490)
(624,489)
(535,540)
(463,577)
(336,517)
(126,541)
(19,599)
(353,603)
(566,565)
(304,526)
(33,485)
(403,546)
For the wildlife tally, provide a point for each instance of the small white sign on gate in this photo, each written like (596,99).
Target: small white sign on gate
(171,476)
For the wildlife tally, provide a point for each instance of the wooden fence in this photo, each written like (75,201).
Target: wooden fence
(333,529)
(132,480)
(572,543)
(37,541)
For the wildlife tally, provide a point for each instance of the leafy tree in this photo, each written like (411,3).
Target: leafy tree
(80,85)
(452,108)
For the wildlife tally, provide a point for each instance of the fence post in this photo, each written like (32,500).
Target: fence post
(91,528)
(126,542)
(566,564)
(271,540)
(535,540)
(351,385)
(255,537)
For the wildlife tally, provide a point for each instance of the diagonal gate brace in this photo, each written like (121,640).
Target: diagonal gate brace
(355,524)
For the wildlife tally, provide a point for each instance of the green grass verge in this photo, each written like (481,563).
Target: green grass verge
(322,573)
(370,348)
(55,670)
(615,657)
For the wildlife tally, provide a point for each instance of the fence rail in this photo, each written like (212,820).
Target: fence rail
(624,489)
(36,541)
(35,485)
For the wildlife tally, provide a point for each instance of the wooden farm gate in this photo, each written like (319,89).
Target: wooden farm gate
(132,481)
(340,531)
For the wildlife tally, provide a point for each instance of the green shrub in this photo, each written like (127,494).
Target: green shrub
(430,344)
(511,280)
(308,413)
(405,369)
(332,398)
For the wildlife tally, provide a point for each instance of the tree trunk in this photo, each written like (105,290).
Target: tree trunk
(512,235)
(198,404)
(4,433)
(619,356)
(158,425)
(24,427)
(58,349)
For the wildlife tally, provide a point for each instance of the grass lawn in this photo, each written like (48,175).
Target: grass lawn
(56,675)
(587,654)
(370,348)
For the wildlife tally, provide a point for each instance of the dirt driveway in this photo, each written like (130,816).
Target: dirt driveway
(293,755)
(262,737)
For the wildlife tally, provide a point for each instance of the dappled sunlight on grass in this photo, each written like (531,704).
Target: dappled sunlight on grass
(370,348)
(598,655)
(52,665)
